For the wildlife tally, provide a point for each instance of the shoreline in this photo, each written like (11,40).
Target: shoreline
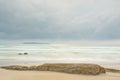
(46,75)
(7,62)
(49,75)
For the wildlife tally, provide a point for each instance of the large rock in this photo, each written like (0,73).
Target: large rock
(112,70)
(91,69)
(73,68)
(16,67)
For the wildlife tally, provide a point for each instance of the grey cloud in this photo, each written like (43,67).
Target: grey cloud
(59,19)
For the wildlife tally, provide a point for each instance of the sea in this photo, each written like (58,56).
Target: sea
(57,53)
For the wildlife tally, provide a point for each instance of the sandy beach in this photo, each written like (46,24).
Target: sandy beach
(46,75)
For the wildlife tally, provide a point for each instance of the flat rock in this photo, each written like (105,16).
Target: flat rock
(112,70)
(90,69)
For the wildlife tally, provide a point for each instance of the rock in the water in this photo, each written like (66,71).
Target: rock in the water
(25,53)
(91,69)
(19,53)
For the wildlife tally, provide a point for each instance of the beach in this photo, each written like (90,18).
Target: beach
(59,39)
(46,75)
(105,56)
(9,74)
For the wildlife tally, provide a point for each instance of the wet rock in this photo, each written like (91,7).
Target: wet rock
(91,69)
(112,70)
(32,68)
(19,53)
(73,68)
(15,67)
(25,53)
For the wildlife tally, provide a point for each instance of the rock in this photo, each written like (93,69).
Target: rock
(112,70)
(32,68)
(19,53)
(25,53)
(16,67)
(73,68)
(91,69)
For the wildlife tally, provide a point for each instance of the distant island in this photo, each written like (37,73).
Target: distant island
(35,43)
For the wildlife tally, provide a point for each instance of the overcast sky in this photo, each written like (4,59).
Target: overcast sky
(60,19)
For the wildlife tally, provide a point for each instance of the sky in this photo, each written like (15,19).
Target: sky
(60,19)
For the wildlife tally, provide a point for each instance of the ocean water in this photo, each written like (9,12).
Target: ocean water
(51,53)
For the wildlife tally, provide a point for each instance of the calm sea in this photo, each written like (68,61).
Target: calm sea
(51,53)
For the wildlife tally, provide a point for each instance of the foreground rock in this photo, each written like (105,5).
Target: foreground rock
(73,68)
(112,70)
(91,69)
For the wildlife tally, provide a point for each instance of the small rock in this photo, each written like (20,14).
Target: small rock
(25,53)
(19,53)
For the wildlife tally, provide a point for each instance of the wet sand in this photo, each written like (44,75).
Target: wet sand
(46,75)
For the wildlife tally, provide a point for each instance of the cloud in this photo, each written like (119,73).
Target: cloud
(59,19)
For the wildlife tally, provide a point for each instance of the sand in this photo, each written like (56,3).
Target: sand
(43,75)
